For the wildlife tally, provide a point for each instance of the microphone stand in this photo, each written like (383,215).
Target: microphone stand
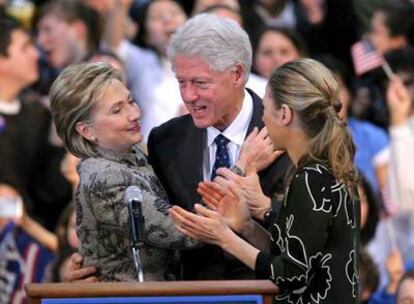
(136,242)
(137,263)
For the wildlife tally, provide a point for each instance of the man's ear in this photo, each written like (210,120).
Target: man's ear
(85,131)
(239,74)
(79,29)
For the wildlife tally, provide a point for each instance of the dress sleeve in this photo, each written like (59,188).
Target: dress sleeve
(300,233)
(160,231)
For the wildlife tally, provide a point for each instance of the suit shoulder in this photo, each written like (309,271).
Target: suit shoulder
(173,126)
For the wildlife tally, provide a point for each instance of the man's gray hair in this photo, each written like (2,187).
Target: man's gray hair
(220,41)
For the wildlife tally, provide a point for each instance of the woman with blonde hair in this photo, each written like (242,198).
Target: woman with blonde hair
(99,122)
(310,251)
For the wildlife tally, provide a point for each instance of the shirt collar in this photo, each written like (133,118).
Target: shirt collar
(10,108)
(236,132)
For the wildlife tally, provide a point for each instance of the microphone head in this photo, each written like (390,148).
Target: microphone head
(133,193)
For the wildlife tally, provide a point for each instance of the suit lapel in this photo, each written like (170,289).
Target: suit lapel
(190,164)
(190,153)
(256,120)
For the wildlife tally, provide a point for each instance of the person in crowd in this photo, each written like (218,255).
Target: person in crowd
(98,121)
(158,21)
(318,264)
(225,10)
(276,46)
(67,237)
(255,82)
(405,292)
(397,230)
(203,6)
(368,275)
(391,25)
(370,210)
(68,31)
(68,243)
(25,256)
(212,86)
(108,57)
(400,97)
(395,270)
(24,123)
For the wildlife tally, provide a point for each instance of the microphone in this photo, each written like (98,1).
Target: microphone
(134,198)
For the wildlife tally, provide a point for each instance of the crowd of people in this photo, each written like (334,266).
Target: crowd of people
(259,151)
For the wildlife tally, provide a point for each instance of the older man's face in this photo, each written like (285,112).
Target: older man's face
(213,98)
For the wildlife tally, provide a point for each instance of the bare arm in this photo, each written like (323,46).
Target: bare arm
(116,19)
(402,144)
(208,226)
(38,232)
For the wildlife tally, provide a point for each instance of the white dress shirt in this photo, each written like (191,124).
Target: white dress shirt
(236,133)
(10,108)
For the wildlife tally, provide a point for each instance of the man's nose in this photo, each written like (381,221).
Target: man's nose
(189,93)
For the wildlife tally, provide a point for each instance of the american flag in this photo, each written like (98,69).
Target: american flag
(365,57)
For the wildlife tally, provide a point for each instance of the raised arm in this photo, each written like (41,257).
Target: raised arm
(401,167)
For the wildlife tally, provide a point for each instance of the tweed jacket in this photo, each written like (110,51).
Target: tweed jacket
(102,216)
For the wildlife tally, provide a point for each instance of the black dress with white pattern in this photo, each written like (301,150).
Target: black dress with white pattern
(314,241)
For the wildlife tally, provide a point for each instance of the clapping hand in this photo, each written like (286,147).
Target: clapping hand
(225,212)
(229,203)
(248,187)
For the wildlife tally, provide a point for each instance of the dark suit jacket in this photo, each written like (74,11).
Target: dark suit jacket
(175,151)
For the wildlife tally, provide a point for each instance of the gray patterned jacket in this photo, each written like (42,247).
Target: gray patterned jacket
(102,216)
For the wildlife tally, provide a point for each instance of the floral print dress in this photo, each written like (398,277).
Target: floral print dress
(313,256)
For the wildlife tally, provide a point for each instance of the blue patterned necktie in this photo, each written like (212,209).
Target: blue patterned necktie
(222,155)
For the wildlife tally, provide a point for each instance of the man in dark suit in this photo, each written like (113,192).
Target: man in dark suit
(211,58)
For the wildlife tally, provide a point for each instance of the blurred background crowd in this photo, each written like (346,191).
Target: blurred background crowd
(37,175)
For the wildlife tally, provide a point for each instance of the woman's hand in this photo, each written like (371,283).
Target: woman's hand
(248,187)
(229,203)
(258,149)
(207,225)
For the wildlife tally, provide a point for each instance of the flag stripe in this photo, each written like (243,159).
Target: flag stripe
(365,57)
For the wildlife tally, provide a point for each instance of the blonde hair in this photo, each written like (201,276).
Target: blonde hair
(309,88)
(73,97)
